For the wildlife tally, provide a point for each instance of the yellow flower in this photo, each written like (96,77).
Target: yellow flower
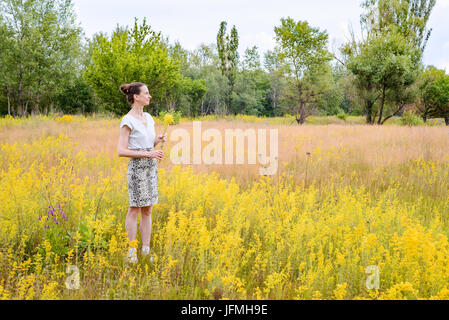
(133,244)
(168,119)
(340,291)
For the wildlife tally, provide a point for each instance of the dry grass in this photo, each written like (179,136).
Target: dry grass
(335,149)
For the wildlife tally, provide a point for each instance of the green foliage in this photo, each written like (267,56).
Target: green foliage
(77,97)
(276,71)
(217,90)
(434,93)
(136,55)
(385,67)
(407,17)
(334,100)
(180,55)
(410,118)
(227,46)
(303,52)
(44,64)
(250,95)
(387,62)
(342,116)
(42,53)
(187,95)
(301,47)
(251,60)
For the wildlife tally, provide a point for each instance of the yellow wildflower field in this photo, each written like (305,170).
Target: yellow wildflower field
(349,206)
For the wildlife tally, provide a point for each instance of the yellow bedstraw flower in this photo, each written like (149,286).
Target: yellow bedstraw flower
(168,120)
(133,244)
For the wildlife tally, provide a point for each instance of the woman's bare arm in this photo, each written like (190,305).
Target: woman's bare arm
(123,150)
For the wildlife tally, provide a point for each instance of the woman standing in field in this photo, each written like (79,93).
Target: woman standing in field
(137,141)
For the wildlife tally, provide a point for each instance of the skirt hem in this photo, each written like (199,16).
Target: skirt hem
(140,206)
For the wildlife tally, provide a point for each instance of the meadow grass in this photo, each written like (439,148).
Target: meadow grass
(366,195)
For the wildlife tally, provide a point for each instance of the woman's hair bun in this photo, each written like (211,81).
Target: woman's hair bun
(130,89)
(125,88)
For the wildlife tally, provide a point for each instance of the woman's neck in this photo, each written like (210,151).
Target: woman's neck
(137,110)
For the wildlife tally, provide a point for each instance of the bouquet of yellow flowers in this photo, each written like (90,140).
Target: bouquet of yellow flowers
(167,120)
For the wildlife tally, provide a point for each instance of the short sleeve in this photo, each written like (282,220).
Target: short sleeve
(127,122)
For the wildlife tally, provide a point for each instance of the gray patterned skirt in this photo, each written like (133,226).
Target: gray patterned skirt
(142,181)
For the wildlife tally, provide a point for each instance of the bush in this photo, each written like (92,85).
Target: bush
(76,98)
(342,116)
(432,122)
(410,118)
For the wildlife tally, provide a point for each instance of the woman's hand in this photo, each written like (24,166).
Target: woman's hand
(161,138)
(156,154)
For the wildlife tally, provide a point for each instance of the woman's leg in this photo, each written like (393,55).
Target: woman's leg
(145,225)
(131,222)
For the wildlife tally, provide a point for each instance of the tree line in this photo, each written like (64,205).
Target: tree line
(48,65)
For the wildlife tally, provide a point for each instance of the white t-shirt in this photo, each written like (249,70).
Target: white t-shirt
(140,136)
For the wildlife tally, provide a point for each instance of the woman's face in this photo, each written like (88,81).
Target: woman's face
(144,97)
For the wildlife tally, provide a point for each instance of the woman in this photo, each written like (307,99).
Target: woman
(137,141)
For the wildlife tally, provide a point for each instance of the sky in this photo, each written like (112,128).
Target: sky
(192,22)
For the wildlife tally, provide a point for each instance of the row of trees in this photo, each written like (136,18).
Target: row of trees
(385,66)
(40,55)
(47,64)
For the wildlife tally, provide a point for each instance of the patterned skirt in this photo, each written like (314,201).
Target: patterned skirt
(142,181)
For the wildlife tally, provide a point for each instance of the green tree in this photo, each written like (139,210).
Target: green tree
(227,46)
(408,17)
(132,55)
(302,50)
(77,97)
(204,65)
(189,90)
(252,86)
(195,91)
(251,59)
(6,68)
(385,67)
(434,94)
(187,96)
(181,55)
(43,50)
(275,69)
(386,63)
(251,93)
(332,102)
(217,90)
(205,56)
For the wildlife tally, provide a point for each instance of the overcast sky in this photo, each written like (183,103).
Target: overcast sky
(193,22)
